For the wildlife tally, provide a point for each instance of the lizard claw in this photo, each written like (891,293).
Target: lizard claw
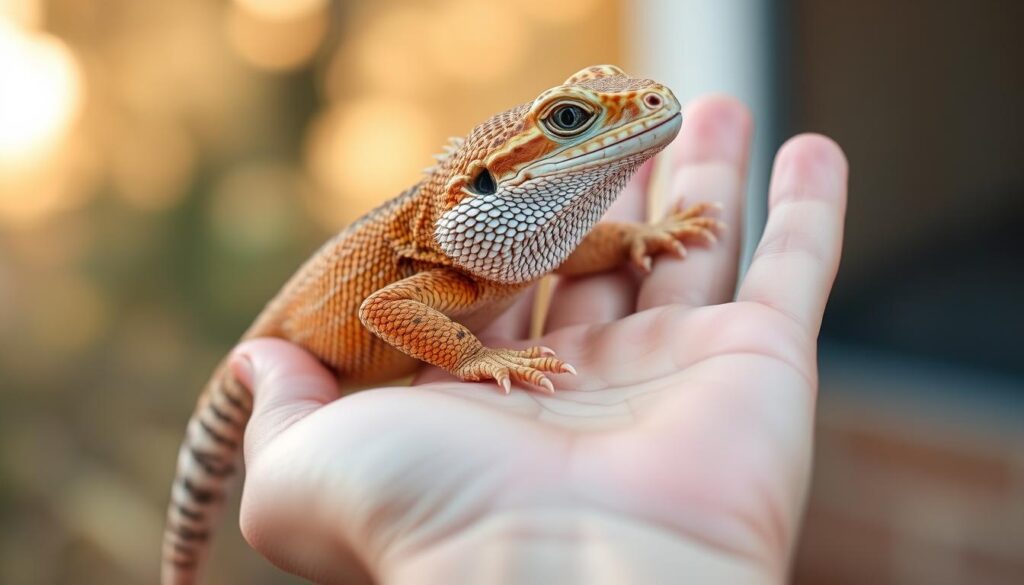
(502,379)
(547,385)
(545,351)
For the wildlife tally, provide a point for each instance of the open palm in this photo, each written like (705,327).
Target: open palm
(680,450)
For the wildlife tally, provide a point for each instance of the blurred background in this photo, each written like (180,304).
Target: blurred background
(165,166)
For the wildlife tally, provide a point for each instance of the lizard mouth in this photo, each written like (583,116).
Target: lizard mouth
(655,136)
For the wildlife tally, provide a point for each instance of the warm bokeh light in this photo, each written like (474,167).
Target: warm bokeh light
(35,189)
(282,9)
(151,164)
(255,206)
(277,44)
(369,150)
(41,96)
(26,13)
(560,12)
(489,30)
(387,54)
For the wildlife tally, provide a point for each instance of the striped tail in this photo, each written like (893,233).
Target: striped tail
(207,460)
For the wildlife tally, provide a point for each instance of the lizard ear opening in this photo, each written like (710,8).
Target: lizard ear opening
(595,72)
(483,183)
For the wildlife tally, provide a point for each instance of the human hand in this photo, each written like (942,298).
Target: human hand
(680,451)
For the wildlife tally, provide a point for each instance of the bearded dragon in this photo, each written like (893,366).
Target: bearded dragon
(410,282)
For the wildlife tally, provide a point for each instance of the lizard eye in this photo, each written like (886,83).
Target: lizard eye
(483,183)
(568,120)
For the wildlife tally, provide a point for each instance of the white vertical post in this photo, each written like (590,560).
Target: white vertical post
(716,46)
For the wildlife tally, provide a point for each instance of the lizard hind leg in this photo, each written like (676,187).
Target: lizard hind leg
(207,461)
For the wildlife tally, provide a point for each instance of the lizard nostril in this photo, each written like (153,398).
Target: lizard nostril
(653,100)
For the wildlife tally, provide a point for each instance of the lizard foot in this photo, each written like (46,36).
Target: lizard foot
(505,365)
(667,235)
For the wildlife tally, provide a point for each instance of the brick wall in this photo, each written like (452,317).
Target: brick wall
(918,478)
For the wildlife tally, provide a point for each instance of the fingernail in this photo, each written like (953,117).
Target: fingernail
(714,129)
(241,367)
(808,167)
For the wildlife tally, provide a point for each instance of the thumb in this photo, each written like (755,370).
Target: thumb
(287,384)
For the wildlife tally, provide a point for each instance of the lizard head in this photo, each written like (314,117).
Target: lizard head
(518,194)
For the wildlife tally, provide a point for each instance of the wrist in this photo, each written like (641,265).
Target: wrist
(571,547)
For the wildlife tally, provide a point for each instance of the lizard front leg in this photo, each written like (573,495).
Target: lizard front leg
(413,316)
(611,244)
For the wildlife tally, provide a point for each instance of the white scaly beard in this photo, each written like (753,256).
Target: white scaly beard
(524,232)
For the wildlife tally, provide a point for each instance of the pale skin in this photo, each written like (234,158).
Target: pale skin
(679,453)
